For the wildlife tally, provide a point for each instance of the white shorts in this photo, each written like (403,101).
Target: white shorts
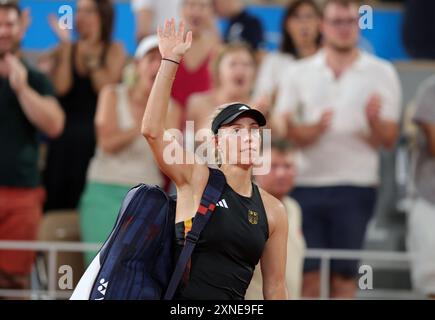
(421,244)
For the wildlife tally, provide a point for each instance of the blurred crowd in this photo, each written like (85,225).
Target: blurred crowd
(331,107)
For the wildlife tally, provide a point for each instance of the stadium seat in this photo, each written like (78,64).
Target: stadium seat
(58,226)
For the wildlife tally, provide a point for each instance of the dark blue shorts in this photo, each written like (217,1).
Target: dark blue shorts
(335,218)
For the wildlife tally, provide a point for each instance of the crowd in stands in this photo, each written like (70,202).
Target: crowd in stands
(331,107)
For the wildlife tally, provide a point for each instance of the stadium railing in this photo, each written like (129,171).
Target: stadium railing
(53,248)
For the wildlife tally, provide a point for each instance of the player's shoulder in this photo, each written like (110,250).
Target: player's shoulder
(275,211)
(273,206)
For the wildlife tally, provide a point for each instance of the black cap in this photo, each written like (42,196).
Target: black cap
(235,111)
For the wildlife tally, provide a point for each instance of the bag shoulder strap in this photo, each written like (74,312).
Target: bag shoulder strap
(210,197)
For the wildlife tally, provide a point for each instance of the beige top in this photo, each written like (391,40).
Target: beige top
(133,164)
(295,256)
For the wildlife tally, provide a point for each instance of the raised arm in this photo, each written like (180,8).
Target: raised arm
(61,76)
(110,137)
(144,18)
(173,45)
(111,71)
(43,111)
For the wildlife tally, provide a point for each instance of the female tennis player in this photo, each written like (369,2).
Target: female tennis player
(248,225)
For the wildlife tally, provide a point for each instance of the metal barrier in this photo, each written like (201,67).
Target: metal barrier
(326,256)
(53,248)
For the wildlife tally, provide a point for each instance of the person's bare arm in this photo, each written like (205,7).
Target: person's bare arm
(429,132)
(175,115)
(111,71)
(109,136)
(144,18)
(383,133)
(43,112)
(211,28)
(304,135)
(274,258)
(61,76)
(172,46)
(278,124)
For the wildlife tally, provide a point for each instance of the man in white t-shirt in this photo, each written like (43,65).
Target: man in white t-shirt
(152,13)
(340,106)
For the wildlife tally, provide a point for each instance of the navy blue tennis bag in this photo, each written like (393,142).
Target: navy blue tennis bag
(137,260)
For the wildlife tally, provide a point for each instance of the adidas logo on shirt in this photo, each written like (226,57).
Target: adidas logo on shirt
(222,204)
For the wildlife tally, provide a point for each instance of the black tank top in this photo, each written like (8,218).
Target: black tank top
(80,102)
(229,248)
